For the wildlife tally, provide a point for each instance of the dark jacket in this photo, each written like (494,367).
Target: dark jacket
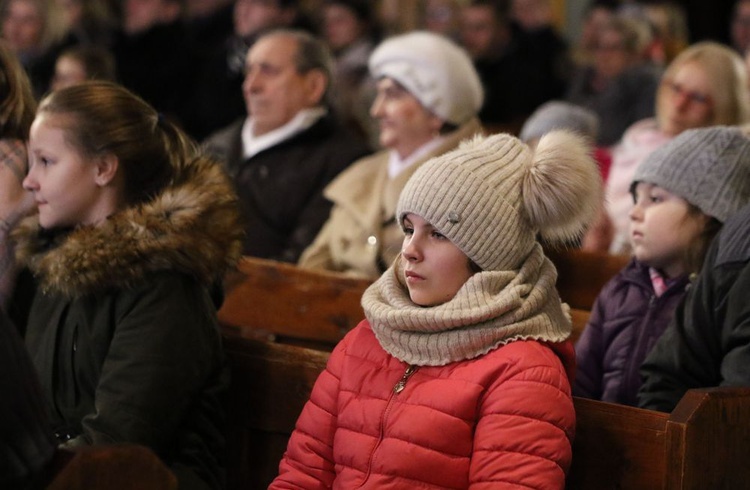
(122,329)
(625,100)
(27,445)
(281,188)
(626,321)
(708,343)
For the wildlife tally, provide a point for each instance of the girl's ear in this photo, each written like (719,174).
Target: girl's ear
(106,169)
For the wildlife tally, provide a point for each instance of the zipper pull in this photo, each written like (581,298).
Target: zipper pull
(402,382)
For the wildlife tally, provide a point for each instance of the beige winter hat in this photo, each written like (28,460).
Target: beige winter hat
(493,195)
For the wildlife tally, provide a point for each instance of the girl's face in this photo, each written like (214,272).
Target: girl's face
(685,100)
(434,267)
(65,184)
(662,228)
(405,124)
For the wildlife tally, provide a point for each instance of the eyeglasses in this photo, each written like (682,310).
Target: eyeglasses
(692,96)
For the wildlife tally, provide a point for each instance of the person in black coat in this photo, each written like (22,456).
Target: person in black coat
(284,154)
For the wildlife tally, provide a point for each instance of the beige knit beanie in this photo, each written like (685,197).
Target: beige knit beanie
(493,195)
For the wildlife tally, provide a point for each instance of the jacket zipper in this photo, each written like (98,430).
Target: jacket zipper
(397,388)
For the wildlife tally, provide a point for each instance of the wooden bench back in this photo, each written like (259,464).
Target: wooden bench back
(582,275)
(282,302)
(702,444)
(270,384)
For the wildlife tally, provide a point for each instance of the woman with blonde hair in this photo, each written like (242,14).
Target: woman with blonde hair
(705,85)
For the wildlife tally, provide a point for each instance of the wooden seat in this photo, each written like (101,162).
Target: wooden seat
(270,384)
(702,444)
(275,301)
(582,275)
(281,302)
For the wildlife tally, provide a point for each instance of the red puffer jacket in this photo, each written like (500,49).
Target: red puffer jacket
(502,420)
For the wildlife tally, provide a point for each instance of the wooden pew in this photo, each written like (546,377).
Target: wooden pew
(702,444)
(581,275)
(281,302)
(270,384)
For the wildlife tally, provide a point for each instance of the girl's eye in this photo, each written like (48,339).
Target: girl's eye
(408,230)
(438,235)
(656,199)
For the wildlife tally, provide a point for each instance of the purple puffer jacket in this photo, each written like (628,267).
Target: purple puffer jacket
(626,320)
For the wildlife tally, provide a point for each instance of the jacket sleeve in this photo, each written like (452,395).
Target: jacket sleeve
(308,226)
(707,343)
(308,460)
(318,256)
(164,348)
(590,350)
(524,435)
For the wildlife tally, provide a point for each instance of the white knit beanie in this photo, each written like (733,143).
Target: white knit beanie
(433,69)
(708,167)
(492,195)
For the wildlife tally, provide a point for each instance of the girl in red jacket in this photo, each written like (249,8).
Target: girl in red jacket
(460,375)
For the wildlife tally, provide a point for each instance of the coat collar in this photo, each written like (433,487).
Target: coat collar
(353,189)
(192,227)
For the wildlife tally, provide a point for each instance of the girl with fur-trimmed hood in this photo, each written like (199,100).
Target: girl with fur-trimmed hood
(133,228)
(460,375)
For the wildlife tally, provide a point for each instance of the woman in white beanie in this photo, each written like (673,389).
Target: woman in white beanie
(460,374)
(428,96)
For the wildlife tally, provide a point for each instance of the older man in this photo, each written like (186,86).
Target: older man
(289,147)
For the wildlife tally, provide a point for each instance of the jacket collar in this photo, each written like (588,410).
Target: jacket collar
(353,188)
(192,227)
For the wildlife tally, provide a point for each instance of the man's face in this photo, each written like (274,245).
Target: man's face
(479,30)
(273,88)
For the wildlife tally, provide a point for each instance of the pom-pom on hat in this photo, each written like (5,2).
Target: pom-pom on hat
(558,114)
(492,195)
(708,167)
(433,69)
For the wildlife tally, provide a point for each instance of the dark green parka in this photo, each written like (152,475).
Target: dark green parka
(122,328)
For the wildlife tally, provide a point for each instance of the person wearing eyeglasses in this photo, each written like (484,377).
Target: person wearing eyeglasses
(705,85)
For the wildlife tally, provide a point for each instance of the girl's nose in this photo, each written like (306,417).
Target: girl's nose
(410,250)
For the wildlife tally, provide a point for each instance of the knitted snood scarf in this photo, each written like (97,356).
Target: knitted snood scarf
(491,309)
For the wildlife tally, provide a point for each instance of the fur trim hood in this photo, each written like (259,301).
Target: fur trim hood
(192,226)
